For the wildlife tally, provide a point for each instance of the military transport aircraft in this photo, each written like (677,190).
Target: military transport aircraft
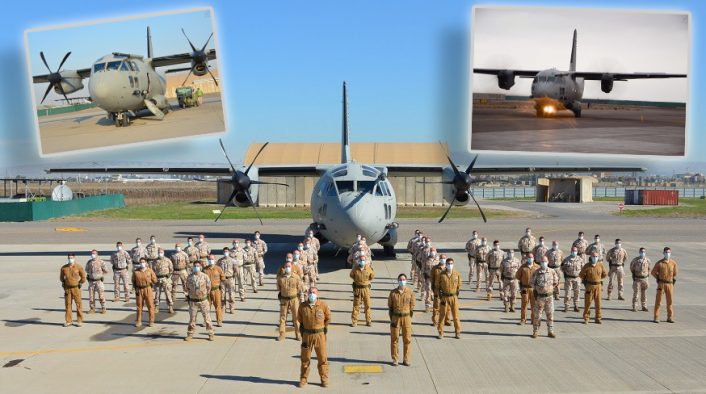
(554,90)
(349,198)
(123,84)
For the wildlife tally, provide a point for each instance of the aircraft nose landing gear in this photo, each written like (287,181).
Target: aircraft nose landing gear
(121,119)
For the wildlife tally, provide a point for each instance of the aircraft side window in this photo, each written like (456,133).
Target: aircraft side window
(98,67)
(113,65)
(134,66)
(345,186)
(124,66)
(132,83)
(331,190)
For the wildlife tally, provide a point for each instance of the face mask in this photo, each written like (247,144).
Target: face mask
(312,298)
(257,236)
(598,240)
(138,244)
(197,269)
(142,266)
(450,267)
(402,283)
(361,263)
(311,235)
(642,254)
(543,264)
(442,261)
(161,255)
(306,246)
(288,270)
(512,254)
(573,253)
(555,246)
(300,247)
(153,241)
(594,260)
(120,247)
(619,245)
(580,236)
(497,247)
(357,238)
(93,256)
(530,260)
(475,236)
(483,243)
(191,243)
(226,254)
(236,245)
(178,248)
(211,262)
(248,246)
(362,253)
(433,254)
(200,239)
(71,261)
(296,256)
(528,233)
(667,255)
(541,242)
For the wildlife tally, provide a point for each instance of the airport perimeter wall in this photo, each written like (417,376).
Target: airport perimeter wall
(63,110)
(32,211)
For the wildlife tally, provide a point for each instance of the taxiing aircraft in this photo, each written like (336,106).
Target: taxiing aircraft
(554,90)
(123,84)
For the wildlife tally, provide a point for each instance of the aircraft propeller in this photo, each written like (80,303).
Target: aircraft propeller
(241,181)
(54,78)
(199,57)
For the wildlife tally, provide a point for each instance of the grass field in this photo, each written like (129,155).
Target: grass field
(203,210)
(687,208)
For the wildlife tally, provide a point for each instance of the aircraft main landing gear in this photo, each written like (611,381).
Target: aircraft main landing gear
(121,119)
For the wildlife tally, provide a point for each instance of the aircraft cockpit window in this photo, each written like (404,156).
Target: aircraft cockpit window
(378,190)
(124,66)
(551,78)
(385,189)
(113,65)
(340,172)
(134,67)
(331,190)
(366,186)
(345,186)
(98,67)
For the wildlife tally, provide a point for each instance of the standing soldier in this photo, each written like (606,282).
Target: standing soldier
(544,280)
(435,272)
(216,275)
(120,260)
(192,251)
(597,247)
(314,317)
(400,305)
(227,264)
(524,278)
(448,284)
(540,251)
(260,251)
(495,259)
(72,276)
(581,244)
(411,248)
(137,253)
(315,243)
(422,249)
(289,286)
(142,281)
(527,243)
(665,271)
(199,96)
(163,269)
(482,253)
(427,293)
(362,274)
(313,258)
(238,255)
(471,246)
(203,247)
(95,269)
(249,264)
(509,268)
(180,262)
(152,250)
(616,257)
(592,275)
(555,257)
(571,267)
(640,269)
(198,285)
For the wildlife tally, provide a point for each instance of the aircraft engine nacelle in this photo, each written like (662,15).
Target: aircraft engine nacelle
(449,191)
(607,83)
(70,82)
(506,79)
(240,200)
(200,68)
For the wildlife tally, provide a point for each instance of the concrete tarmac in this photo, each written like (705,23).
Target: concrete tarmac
(627,353)
(633,131)
(92,129)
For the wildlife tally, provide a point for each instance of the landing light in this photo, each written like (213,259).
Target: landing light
(549,110)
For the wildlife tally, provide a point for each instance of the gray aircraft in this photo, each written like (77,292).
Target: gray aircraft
(554,90)
(123,84)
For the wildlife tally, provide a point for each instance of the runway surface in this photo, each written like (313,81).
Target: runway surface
(92,129)
(627,353)
(634,131)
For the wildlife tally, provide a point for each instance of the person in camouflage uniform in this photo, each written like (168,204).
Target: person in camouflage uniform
(249,261)
(203,247)
(411,248)
(435,271)
(95,270)
(616,256)
(137,253)
(312,258)
(527,243)
(571,267)
(260,251)
(193,252)
(482,253)
(198,285)
(544,280)
(427,293)
(152,250)
(581,244)
(640,269)
(227,264)
(596,247)
(540,251)
(470,247)
(508,268)
(163,269)
(555,257)
(120,260)
(238,255)
(180,261)
(495,260)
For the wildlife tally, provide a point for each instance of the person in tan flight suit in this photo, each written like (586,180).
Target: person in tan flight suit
(435,271)
(72,276)
(164,269)
(180,262)
(95,270)
(592,275)
(665,271)
(524,277)
(314,317)
(216,275)
(362,274)
(142,281)
(640,269)
(120,261)
(448,284)
(400,305)
(289,286)
(198,285)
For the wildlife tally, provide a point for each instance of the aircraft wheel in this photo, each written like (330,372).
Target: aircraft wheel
(577,113)
(389,251)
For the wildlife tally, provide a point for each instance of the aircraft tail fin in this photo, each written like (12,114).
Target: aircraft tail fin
(345,145)
(572,63)
(149,43)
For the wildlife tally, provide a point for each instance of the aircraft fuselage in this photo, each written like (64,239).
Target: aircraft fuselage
(554,90)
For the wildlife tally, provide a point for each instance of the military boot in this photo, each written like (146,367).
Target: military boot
(621,298)
(103,310)
(211,337)
(534,334)
(171,309)
(512,308)
(644,309)
(576,309)
(551,334)
(489,296)
(634,308)
(92,310)
(188,338)
(608,298)
(302,382)
(566,308)
(507,308)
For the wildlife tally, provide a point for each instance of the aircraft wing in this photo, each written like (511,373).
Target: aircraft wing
(203,171)
(84,73)
(597,76)
(170,60)
(496,71)
(501,170)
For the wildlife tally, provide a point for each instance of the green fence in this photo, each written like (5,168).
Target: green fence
(43,210)
(63,110)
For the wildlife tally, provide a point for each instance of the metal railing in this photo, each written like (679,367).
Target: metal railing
(611,191)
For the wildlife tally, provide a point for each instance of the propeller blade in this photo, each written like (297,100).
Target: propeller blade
(443,182)
(193,48)
(267,183)
(481,211)
(232,195)
(456,171)
(448,209)
(470,167)
(41,54)
(226,155)
(206,44)
(63,60)
(252,204)
(212,77)
(62,92)
(187,76)
(51,85)
(253,160)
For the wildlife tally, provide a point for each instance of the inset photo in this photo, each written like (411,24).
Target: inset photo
(128,81)
(569,80)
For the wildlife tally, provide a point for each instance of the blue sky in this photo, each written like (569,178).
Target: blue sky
(283,63)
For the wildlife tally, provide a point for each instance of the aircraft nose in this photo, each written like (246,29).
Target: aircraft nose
(98,89)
